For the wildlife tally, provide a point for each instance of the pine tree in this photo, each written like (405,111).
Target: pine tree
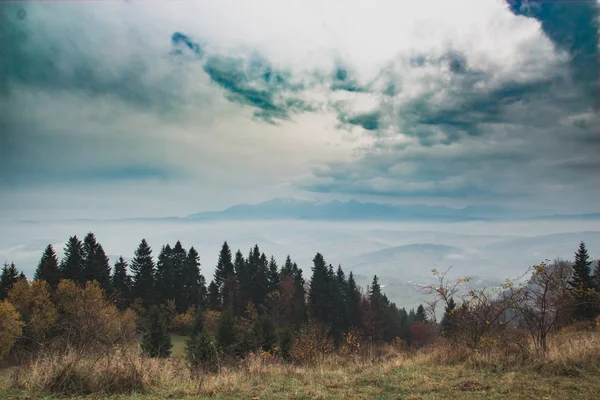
(95,262)
(273,275)
(201,352)
(339,319)
(142,267)
(447,323)
(597,276)
(179,261)
(265,335)
(226,331)
(420,315)
(242,284)
(9,276)
(260,282)
(224,267)
(582,285)
(353,295)
(194,284)
(320,291)
(165,275)
(72,266)
(156,340)
(214,297)
(121,283)
(47,269)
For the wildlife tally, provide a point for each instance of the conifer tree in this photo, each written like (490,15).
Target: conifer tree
(353,296)
(179,261)
(47,269)
(142,267)
(194,284)
(72,266)
(320,290)
(447,323)
(224,266)
(165,275)
(201,352)
(214,297)
(339,318)
(261,282)
(273,275)
(582,285)
(96,265)
(121,283)
(9,276)
(597,276)
(420,315)
(156,340)
(242,283)
(226,331)
(265,335)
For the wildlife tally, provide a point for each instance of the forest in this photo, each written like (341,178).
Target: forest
(255,308)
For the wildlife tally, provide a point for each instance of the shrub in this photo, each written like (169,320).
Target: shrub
(312,344)
(11,327)
(156,340)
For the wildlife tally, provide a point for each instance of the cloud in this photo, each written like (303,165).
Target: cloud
(477,99)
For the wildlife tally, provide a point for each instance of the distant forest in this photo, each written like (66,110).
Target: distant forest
(255,304)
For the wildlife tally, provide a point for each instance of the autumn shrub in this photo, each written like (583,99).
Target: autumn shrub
(88,320)
(33,303)
(312,344)
(11,327)
(183,321)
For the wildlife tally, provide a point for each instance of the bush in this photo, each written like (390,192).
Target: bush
(200,349)
(11,327)
(156,340)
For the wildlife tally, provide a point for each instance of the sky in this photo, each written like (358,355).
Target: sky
(113,109)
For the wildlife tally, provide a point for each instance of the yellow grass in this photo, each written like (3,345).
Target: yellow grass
(571,370)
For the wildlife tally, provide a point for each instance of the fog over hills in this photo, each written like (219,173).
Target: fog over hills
(401,244)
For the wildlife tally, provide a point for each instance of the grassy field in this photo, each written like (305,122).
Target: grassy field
(571,371)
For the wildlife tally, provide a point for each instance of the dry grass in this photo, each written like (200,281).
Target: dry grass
(571,369)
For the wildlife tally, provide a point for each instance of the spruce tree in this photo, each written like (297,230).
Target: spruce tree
(447,323)
(214,297)
(582,285)
(72,266)
(261,282)
(200,351)
(156,340)
(121,283)
(339,318)
(9,276)
(179,261)
(47,269)
(597,276)
(194,284)
(273,275)
(165,275)
(224,266)
(227,331)
(95,262)
(242,283)
(353,296)
(142,267)
(320,290)
(264,331)
(420,316)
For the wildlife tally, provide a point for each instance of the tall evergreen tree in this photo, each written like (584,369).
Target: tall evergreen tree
(95,262)
(142,267)
(320,291)
(273,275)
(179,262)
(597,276)
(194,284)
(9,276)
(242,284)
(420,316)
(72,266)
(165,275)
(224,266)
(47,269)
(583,285)
(214,297)
(121,283)
(339,318)
(353,296)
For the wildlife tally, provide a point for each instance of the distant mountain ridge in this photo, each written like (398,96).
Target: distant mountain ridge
(288,208)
